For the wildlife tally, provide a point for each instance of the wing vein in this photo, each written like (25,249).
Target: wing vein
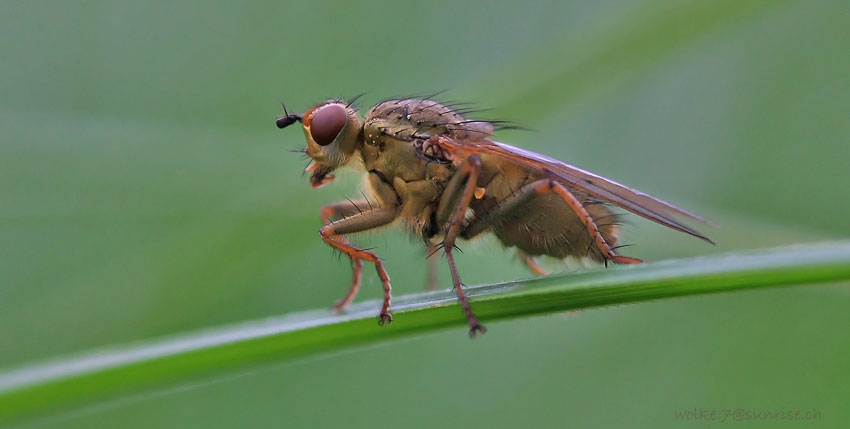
(637,202)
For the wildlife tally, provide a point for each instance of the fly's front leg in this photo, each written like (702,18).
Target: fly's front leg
(450,213)
(343,209)
(332,234)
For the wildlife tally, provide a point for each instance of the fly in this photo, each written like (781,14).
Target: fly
(444,178)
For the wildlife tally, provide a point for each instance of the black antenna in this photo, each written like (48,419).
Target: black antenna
(353,99)
(287,119)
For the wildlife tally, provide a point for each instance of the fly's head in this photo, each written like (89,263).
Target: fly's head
(332,129)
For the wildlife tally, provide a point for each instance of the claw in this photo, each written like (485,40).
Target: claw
(476,327)
(385,318)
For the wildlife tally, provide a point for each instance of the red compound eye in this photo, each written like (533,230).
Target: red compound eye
(326,123)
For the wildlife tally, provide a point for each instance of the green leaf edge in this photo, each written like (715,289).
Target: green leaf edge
(74,381)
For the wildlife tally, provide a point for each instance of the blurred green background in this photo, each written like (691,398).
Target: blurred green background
(144,190)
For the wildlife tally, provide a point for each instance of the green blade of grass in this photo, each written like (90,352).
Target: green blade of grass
(77,380)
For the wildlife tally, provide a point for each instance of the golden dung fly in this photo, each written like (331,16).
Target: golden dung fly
(441,176)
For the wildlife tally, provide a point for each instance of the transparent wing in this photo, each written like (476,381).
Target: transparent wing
(622,196)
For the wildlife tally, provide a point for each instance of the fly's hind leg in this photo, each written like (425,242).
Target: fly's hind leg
(450,214)
(332,234)
(531,263)
(344,209)
(534,190)
(432,271)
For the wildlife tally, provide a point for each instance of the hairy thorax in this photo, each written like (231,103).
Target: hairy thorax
(403,170)
(406,170)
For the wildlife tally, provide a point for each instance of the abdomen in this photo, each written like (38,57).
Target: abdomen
(544,224)
(548,226)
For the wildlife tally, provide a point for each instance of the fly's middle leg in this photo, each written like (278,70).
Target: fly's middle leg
(332,234)
(450,213)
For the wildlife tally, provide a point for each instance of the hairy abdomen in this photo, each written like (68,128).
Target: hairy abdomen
(544,224)
(548,226)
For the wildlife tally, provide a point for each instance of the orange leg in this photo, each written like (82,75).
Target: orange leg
(346,208)
(532,264)
(468,172)
(432,270)
(544,186)
(534,190)
(332,235)
(356,270)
